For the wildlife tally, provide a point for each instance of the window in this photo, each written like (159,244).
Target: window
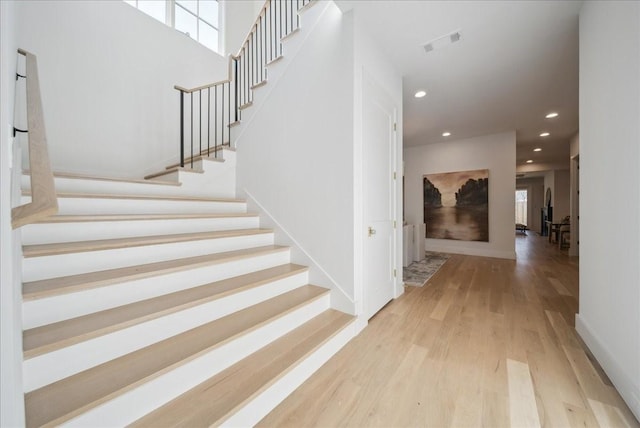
(198,19)
(521,206)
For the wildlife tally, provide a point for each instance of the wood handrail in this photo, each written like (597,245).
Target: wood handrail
(198,88)
(44,201)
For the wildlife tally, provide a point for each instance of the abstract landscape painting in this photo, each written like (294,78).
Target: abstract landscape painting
(456,205)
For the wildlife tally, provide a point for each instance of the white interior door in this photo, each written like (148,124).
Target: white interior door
(379,196)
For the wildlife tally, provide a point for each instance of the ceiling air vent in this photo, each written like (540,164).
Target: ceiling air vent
(442,41)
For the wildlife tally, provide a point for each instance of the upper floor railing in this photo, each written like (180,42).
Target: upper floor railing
(208,113)
(44,201)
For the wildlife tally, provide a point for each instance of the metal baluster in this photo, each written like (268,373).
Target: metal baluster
(209,120)
(235,82)
(215,118)
(200,119)
(274,48)
(191,130)
(182,129)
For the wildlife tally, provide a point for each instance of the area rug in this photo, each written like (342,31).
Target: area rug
(418,273)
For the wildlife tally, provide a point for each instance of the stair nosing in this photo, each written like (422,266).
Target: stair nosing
(134,275)
(117,392)
(44,250)
(171,170)
(143,197)
(129,322)
(81,218)
(69,175)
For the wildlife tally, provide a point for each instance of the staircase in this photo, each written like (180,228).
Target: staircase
(163,303)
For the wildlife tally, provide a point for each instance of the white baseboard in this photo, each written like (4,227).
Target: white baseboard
(340,299)
(469,251)
(623,381)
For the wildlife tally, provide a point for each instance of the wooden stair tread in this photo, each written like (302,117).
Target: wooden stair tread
(137,217)
(68,284)
(213,401)
(172,170)
(142,197)
(40,340)
(115,179)
(62,400)
(40,250)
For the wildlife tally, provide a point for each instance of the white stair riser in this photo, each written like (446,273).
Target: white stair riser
(265,402)
(219,179)
(76,185)
(65,306)
(71,206)
(53,366)
(137,402)
(37,268)
(47,233)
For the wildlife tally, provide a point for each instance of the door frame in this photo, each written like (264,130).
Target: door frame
(368,79)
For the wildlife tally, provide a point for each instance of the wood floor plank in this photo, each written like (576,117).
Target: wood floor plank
(486,311)
(523,408)
(608,416)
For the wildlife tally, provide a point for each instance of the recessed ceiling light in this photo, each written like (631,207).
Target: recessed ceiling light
(537,149)
(552,115)
(446,134)
(530,161)
(545,134)
(420,94)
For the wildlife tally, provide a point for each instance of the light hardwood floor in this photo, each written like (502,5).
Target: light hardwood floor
(487,342)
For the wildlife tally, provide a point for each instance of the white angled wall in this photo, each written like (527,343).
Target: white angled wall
(238,15)
(107,73)
(295,153)
(497,153)
(609,317)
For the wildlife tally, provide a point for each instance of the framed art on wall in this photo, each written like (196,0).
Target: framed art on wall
(456,205)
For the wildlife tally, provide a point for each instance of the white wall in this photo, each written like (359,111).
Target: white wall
(296,153)
(609,316)
(107,73)
(11,398)
(238,15)
(497,153)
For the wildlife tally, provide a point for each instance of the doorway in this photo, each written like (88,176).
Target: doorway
(522,207)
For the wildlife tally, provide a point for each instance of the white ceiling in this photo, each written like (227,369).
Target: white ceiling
(516,61)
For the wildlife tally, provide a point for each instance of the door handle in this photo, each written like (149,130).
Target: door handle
(372,231)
